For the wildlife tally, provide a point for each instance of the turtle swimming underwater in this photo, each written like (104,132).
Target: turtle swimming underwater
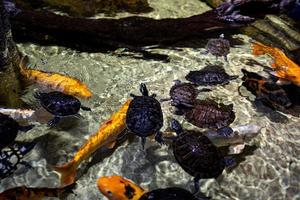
(197,155)
(209,114)
(218,47)
(119,188)
(210,75)
(9,129)
(144,116)
(60,105)
(12,156)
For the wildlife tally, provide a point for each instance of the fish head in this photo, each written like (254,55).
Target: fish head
(119,188)
(81,92)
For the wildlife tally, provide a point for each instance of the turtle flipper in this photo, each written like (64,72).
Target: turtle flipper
(85,108)
(197,184)
(143,141)
(159,138)
(26,164)
(25,128)
(54,121)
(229,161)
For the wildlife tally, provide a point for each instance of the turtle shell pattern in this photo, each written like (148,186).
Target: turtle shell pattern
(210,75)
(218,46)
(172,193)
(209,114)
(59,104)
(8,130)
(184,93)
(197,155)
(144,116)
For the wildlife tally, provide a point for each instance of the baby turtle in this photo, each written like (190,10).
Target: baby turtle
(60,105)
(9,129)
(119,188)
(144,116)
(209,114)
(210,75)
(183,95)
(197,155)
(218,47)
(12,156)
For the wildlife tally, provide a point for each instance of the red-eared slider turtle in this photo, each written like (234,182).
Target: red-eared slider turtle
(144,116)
(119,188)
(209,75)
(183,95)
(60,105)
(197,155)
(9,129)
(218,47)
(266,90)
(12,156)
(209,114)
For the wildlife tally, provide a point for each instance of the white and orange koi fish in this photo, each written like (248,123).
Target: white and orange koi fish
(106,135)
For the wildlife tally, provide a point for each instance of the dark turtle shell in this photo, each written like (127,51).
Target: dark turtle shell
(218,46)
(144,116)
(58,103)
(171,193)
(8,130)
(197,155)
(183,93)
(210,75)
(209,114)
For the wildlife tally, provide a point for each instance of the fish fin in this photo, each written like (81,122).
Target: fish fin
(23,63)
(283,82)
(67,172)
(258,48)
(111,145)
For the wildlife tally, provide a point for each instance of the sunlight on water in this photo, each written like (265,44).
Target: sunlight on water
(271,172)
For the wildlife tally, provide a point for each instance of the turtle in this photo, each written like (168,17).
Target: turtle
(266,90)
(9,129)
(209,114)
(210,75)
(119,188)
(227,10)
(218,47)
(183,95)
(12,156)
(144,116)
(197,155)
(60,105)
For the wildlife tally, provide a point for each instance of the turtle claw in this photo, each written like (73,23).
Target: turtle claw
(54,121)
(159,139)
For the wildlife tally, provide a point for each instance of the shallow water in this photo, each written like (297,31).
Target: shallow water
(272,171)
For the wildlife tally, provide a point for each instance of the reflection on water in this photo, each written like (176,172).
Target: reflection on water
(271,170)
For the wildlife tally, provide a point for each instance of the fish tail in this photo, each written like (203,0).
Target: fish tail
(67,172)
(23,65)
(259,49)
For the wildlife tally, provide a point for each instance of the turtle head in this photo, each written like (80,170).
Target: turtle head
(119,188)
(144,90)
(175,125)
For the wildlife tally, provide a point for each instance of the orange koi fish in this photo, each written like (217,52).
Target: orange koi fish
(284,68)
(119,188)
(25,193)
(106,135)
(55,81)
